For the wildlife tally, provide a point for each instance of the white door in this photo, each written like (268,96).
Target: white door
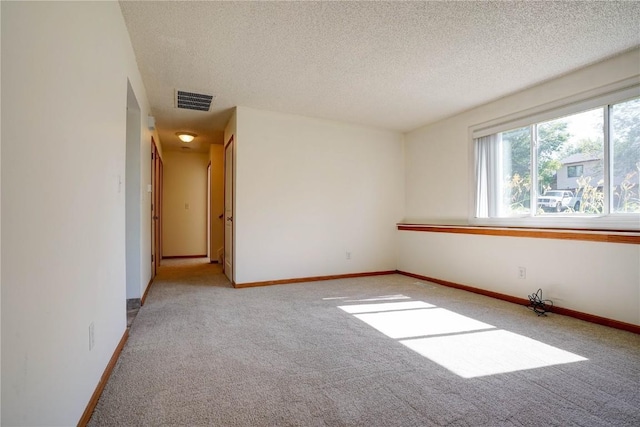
(228,210)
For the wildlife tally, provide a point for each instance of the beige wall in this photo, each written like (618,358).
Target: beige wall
(310,190)
(184,204)
(597,278)
(216,157)
(65,68)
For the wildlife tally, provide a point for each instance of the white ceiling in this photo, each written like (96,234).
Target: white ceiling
(390,65)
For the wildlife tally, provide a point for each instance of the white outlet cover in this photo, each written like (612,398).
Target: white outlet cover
(522,272)
(91,336)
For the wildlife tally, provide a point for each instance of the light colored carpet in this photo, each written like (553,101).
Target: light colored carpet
(201,353)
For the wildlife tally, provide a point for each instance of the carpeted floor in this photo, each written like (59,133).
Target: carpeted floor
(376,351)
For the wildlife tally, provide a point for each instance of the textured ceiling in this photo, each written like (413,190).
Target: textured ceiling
(390,65)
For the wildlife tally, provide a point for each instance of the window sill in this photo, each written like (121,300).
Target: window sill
(613,223)
(603,236)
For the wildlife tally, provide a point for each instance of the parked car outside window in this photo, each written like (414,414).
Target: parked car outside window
(555,200)
(576,202)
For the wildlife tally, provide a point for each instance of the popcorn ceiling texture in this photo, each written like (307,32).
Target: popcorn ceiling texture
(393,65)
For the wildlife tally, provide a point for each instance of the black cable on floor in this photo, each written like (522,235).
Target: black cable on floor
(540,306)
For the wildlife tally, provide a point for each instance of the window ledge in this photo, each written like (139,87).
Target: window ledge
(612,223)
(604,236)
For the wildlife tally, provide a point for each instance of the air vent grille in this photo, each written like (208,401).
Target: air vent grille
(193,101)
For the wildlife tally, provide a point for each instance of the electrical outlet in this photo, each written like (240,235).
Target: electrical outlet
(522,273)
(91,337)
(348,255)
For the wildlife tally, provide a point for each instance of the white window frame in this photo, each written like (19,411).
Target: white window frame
(610,94)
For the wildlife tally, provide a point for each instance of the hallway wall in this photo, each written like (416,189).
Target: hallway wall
(65,68)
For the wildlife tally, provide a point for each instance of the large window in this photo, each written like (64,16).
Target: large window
(583,163)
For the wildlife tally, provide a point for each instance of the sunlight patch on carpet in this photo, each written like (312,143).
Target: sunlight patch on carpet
(382,298)
(389,306)
(373,299)
(465,346)
(489,353)
(421,323)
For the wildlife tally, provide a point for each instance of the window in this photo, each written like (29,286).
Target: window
(575,171)
(625,145)
(578,161)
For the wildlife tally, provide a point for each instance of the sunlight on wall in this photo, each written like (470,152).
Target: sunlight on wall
(465,346)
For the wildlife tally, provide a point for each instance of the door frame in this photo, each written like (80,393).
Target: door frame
(156,208)
(229,149)
(209,214)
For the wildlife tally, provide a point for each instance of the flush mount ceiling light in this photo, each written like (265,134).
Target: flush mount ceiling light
(186,136)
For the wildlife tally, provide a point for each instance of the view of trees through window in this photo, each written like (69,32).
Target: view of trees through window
(570,169)
(625,142)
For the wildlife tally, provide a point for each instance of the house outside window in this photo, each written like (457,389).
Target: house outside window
(590,167)
(589,151)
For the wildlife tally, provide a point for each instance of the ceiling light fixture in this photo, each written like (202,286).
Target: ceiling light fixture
(186,136)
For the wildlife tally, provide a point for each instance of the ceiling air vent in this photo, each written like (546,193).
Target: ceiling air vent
(193,101)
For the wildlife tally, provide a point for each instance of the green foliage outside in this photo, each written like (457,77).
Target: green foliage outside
(551,137)
(625,134)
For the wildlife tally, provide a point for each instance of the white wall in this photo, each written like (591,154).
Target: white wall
(65,68)
(309,190)
(0,228)
(216,157)
(597,278)
(184,204)
(133,196)
(591,277)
